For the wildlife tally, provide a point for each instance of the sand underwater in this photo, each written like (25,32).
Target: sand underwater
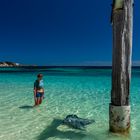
(80,91)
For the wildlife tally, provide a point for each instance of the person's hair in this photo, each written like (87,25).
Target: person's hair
(40,75)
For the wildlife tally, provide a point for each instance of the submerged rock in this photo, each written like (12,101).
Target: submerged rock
(75,122)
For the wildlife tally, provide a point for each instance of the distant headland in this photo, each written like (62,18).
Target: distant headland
(12,64)
(9,64)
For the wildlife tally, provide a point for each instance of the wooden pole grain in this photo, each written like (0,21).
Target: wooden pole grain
(122,22)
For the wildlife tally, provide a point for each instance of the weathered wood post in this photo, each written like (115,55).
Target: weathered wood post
(122,21)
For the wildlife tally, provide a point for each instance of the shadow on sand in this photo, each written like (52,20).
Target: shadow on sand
(26,107)
(52,131)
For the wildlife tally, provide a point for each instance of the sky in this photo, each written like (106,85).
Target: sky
(60,32)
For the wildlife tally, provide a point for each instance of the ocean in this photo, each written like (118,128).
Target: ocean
(84,91)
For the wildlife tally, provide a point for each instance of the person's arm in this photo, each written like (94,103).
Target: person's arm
(35,90)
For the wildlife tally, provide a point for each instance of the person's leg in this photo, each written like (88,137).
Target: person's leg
(38,101)
(35,99)
(41,98)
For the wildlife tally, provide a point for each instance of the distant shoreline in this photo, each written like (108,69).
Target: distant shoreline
(45,67)
(18,65)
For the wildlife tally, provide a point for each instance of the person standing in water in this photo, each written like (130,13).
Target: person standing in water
(38,90)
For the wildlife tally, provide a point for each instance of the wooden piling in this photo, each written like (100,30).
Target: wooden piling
(122,22)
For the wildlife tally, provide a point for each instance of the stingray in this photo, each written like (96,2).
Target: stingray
(77,123)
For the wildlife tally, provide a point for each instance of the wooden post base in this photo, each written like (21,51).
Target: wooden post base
(119,119)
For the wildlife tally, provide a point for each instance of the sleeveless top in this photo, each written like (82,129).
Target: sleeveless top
(39,84)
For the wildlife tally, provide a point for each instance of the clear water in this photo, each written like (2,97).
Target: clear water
(84,92)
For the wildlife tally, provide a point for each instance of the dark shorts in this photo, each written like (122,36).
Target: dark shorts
(38,94)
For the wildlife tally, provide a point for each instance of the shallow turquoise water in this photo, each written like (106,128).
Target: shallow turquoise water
(68,91)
